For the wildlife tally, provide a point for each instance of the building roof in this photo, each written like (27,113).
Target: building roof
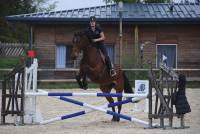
(132,13)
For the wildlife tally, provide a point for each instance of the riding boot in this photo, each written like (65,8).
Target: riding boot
(112,72)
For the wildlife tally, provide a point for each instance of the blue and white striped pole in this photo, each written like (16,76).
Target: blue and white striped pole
(83,94)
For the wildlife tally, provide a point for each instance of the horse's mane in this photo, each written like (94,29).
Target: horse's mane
(83,34)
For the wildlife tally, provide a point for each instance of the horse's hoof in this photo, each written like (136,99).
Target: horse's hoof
(81,87)
(85,86)
(116,119)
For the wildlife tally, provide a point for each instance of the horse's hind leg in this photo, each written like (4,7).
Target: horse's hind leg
(119,89)
(111,100)
(119,107)
(107,89)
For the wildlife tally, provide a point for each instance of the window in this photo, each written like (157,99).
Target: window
(169,52)
(110,50)
(63,53)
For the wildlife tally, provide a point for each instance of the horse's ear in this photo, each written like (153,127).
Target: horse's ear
(79,33)
(82,32)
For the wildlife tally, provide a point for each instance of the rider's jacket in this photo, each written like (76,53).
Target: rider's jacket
(94,34)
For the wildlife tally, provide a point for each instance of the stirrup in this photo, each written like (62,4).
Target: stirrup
(113,72)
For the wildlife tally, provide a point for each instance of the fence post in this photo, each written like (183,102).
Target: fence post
(32,114)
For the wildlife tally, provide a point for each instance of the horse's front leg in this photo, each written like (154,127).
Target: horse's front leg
(119,107)
(78,79)
(79,76)
(81,79)
(84,82)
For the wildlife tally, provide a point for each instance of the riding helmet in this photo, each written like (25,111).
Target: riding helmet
(92,18)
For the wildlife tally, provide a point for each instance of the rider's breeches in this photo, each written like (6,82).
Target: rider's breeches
(105,53)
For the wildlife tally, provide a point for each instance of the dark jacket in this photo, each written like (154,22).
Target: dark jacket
(181,103)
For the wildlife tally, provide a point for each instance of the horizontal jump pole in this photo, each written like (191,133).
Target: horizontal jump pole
(84,94)
(133,100)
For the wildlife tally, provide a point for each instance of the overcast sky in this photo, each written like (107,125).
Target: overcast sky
(72,4)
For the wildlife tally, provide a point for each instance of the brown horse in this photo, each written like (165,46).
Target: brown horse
(93,66)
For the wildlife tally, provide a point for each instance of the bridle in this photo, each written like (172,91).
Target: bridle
(77,40)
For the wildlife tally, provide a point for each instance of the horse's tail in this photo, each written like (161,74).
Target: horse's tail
(127,85)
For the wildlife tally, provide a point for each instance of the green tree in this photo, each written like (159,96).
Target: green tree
(41,5)
(17,32)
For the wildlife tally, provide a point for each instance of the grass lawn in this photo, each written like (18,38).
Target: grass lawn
(6,62)
(9,62)
(194,84)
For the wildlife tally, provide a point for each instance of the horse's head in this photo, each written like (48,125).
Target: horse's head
(79,41)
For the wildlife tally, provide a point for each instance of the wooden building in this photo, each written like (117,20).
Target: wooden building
(150,30)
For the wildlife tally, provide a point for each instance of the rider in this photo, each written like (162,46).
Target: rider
(96,34)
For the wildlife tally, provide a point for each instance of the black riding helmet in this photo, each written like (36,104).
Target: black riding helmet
(92,18)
